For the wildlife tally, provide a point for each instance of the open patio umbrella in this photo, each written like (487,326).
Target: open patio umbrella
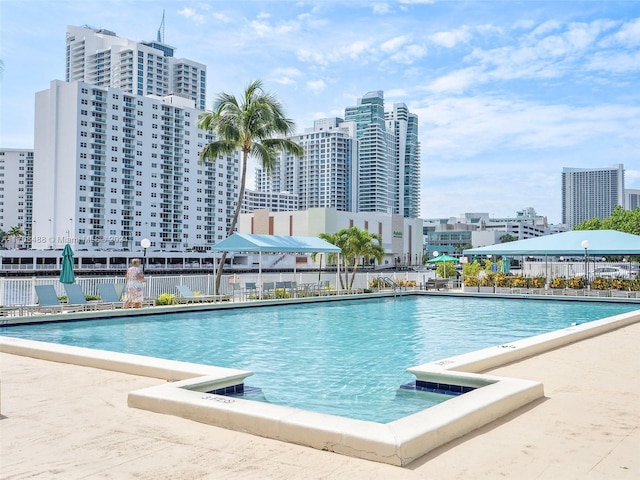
(66,271)
(506,265)
(443,258)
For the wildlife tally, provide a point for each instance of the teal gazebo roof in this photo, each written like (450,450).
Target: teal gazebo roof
(601,242)
(245,242)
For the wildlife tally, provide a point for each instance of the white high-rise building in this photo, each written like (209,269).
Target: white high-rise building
(632,198)
(112,168)
(99,57)
(16,193)
(275,201)
(591,193)
(321,178)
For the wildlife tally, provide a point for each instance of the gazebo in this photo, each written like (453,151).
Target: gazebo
(252,243)
(575,242)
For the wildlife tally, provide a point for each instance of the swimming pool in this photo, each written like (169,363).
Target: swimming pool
(345,358)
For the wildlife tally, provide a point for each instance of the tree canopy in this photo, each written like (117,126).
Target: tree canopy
(355,244)
(621,220)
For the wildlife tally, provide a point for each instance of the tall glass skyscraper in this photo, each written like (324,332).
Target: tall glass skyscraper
(375,165)
(404,127)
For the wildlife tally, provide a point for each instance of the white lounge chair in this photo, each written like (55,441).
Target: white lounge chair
(48,302)
(187,296)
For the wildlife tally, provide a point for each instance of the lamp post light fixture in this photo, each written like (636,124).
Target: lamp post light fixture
(586,244)
(145,243)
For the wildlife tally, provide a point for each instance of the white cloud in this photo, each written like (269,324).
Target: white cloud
(629,34)
(545,28)
(316,86)
(381,8)
(393,44)
(221,17)
(409,54)
(615,62)
(288,71)
(262,27)
(411,2)
(631,178)
(465,127)
(456,81)
(192,14)
(355,49)
(452,38)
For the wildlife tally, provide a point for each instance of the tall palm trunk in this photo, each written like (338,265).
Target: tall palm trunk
(234,220)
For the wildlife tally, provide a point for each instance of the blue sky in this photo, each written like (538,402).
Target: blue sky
(507,92)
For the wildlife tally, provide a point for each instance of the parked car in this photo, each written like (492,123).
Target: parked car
(634,270)
(608,272)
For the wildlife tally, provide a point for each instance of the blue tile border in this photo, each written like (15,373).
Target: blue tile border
(238,390)
(231,390)
(434,387)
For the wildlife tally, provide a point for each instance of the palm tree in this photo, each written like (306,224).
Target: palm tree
(354,244)
(254,125)
(15,233)
(339,241)
(361,244)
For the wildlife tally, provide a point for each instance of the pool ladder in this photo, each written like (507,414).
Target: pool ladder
(392,282)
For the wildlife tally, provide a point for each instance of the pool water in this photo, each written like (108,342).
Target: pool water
(345,358)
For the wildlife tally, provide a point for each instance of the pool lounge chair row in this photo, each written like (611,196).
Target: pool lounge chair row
(48,302)
(283,290)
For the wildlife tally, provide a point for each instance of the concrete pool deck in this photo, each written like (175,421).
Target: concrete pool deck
(67,421)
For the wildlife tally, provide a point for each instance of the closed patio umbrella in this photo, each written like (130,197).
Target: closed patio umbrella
(506,265)
(66,271)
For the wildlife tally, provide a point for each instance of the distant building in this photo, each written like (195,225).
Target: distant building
(455,234)
(376,169)
(632,198)
(16,192)
(404,127)
(274,201)
(99,57)
(111,168)
(322,177)
(401,237)
(368,162)
(591,193)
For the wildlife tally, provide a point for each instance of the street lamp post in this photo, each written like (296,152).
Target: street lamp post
(145,243)
(565,272)
(435,255)
(624,260)
(585,244)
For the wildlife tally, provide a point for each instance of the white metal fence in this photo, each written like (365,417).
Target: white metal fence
(20,291)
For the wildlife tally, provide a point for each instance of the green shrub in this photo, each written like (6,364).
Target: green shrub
(538,282)
(165,299)
(576,283)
